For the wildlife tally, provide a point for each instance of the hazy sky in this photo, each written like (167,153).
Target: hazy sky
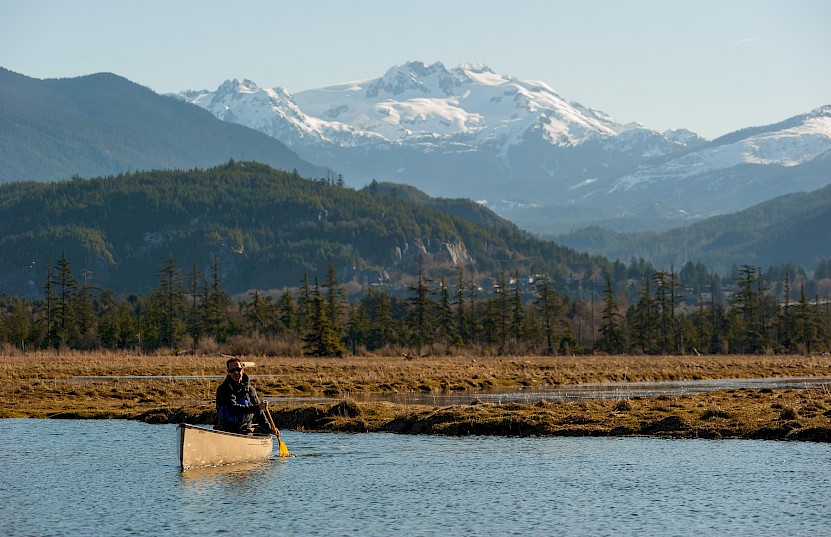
(710,66)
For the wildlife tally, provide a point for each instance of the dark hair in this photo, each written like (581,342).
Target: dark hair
(231,361)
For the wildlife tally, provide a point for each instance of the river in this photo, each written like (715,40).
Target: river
(70,477)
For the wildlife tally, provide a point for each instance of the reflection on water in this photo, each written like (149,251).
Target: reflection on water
(70,477)
(574,392)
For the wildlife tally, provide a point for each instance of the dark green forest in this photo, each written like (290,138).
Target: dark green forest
(513,315)
(245,258)
(264,226)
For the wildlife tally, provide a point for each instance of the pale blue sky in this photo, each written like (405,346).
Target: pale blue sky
(711,66)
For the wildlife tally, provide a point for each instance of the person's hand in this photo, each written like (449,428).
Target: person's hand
(263,405)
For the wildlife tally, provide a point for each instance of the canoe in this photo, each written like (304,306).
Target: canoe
(200,447)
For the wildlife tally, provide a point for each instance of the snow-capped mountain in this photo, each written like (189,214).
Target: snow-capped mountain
(417,109)
(778,159)
(470,132)
(471,105)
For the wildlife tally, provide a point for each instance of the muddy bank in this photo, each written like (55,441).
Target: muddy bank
(50,386)
(744,414)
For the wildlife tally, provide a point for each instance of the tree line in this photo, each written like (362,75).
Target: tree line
(509,314)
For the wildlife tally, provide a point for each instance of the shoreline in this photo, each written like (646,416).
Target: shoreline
(45,385)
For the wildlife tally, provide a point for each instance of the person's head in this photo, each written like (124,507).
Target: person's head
(235,369)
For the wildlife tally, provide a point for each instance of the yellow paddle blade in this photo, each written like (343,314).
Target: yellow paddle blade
(284,450)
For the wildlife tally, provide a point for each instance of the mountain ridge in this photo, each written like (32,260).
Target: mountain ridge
(788,229)
(103,124)
(264,227)
(521,141)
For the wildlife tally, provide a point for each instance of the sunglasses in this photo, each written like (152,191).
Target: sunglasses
(235,369)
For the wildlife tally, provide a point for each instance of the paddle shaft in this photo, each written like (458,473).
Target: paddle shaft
(274,430)
(284,450)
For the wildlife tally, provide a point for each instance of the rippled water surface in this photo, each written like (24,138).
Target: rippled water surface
(122,478)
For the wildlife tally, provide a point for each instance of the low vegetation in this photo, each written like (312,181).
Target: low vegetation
(322,393)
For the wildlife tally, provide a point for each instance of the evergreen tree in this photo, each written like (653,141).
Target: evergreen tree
(503,312)
(382,323)
(288,313)
(216,306)
(444,314)
(320,339)
(420,316)
(168,305)
(196,318)
(66,288)
(359,328)
(644,320)
(304,300)
(118,328)
(611,332)
(548,306)
(805,324)
(517,314)
(48,311)
(461,333)
(87,318)
(260,314)
(16,325)
(334,300)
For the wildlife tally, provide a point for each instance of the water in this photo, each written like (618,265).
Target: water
(122,478)
(576,392)
(570,392)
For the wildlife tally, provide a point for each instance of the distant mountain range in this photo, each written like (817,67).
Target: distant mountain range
(547,164)
(103,124)
(790,229)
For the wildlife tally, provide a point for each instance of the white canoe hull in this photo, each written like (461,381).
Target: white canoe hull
(200,447)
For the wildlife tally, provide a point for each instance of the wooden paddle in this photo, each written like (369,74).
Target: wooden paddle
(284,450)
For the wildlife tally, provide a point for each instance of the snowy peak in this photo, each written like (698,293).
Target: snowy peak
(470,104)
(412,78)
(271,111)
(414,104)
(790,143)
(469,131)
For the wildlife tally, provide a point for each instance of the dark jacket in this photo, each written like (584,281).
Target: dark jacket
(237,407)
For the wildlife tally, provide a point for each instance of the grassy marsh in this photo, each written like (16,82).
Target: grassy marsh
(48,385)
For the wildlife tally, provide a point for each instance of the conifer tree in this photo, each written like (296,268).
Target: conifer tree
(461,333)
(548,307)
(518,313)
(320,339)
(260,314)
(444,314)
(377,304)
(216,306)
(334,300)
(806,325)
(66,288)
(287,313)
(87,319)
(421,306)
(644,320)
(503,307)
(168,305)
(612,336)
(195,320)
(48,311)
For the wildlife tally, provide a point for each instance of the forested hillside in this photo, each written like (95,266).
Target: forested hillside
(103,124)
(788,229)
(264,228)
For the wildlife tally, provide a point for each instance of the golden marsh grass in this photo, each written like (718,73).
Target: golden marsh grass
(63,385)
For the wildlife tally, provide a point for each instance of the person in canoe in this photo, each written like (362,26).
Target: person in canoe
(238,409)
